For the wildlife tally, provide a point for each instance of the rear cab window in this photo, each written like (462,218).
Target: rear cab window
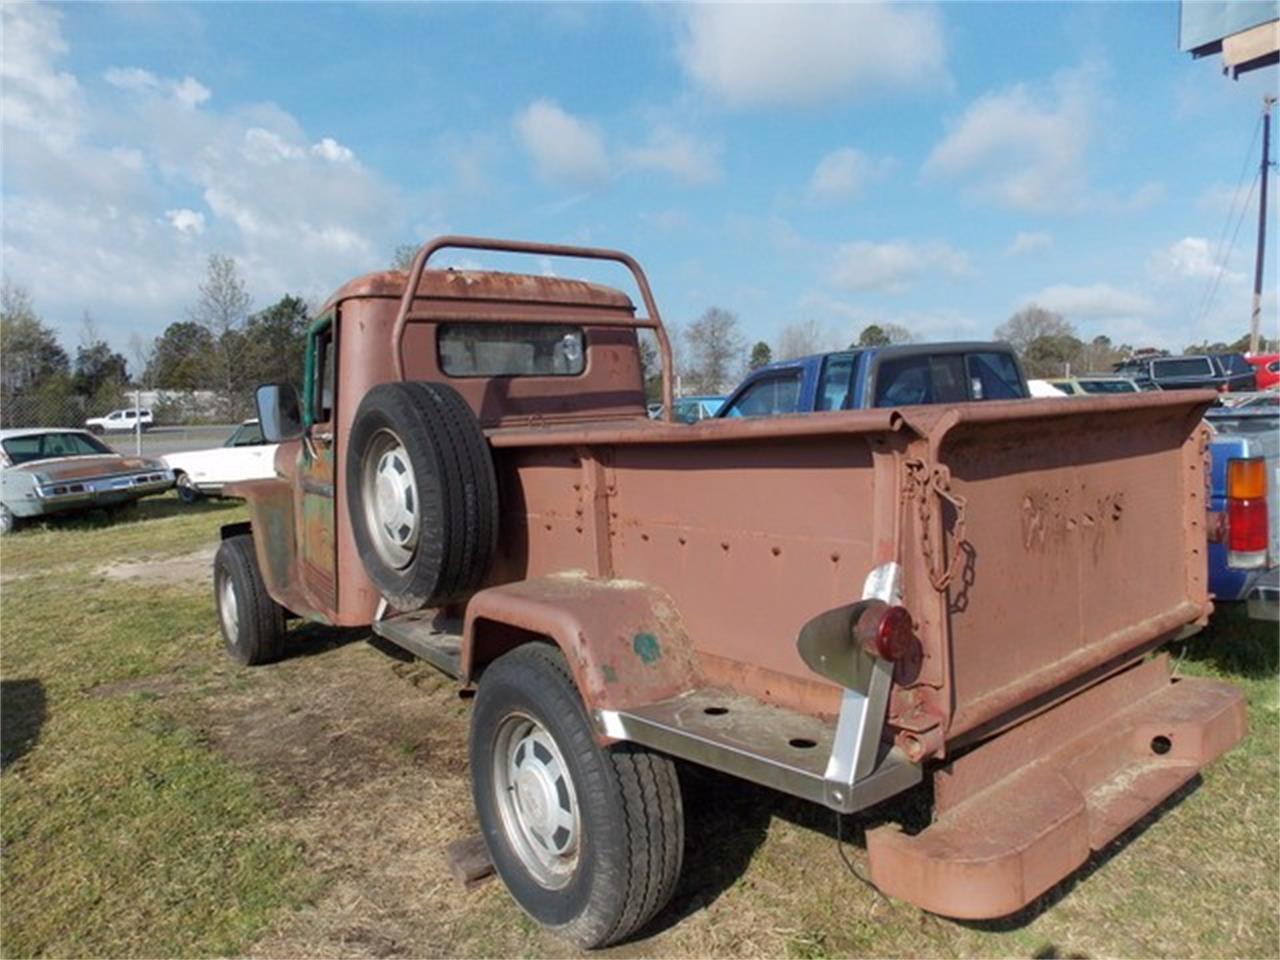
(511,350)
(994,376)
(947,378)
(1183,367)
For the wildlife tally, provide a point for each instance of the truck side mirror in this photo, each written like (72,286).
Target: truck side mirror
(279,412)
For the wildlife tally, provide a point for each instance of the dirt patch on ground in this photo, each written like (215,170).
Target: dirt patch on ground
(365,755)
(185,569)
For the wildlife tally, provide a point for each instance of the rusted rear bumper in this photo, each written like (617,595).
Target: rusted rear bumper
(1021,812)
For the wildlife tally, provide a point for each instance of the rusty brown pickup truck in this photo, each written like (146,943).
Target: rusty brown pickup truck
(840,606)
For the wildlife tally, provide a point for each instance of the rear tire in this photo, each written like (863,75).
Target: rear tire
(422,494)
(252,624)
(589,841)
(187,491)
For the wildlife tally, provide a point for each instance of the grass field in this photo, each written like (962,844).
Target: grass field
(156,800)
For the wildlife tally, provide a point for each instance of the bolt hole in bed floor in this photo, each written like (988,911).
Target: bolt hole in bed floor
(1161,745)
(715,711)
(802,743)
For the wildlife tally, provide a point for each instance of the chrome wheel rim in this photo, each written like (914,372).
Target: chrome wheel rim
(389,495)
(228,608)
(186,489)
(536,800)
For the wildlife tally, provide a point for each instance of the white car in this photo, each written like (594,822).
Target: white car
(245,456)
(119,420)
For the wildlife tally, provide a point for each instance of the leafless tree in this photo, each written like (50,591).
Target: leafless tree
(402,256)
(715,351)
(803,337)
(143,352)
(222,309)
(1030,324)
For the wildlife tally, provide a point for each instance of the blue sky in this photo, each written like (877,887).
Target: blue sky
(936,166)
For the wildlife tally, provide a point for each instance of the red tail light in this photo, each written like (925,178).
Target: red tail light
(1247,523)
(886,631)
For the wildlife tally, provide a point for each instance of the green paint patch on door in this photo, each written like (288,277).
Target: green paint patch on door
(646,647)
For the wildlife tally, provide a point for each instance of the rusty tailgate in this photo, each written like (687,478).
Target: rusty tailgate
(1082,542)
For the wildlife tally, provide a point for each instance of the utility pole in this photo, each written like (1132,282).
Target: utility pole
(1255,318)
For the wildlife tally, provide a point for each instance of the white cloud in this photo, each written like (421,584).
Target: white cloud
(35,97)
(131,78)
(678,154)
(941,324)
(1101,301)
(798,54)
(94,199)
(1145,197)
(564,149)
(190,92)
(1029,242)
(1023,148)
(845,173)
(186,221)
(330,149)
(1189,259)
(893,267)
(265,147)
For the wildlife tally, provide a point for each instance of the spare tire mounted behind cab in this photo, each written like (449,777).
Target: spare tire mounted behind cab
(421,493)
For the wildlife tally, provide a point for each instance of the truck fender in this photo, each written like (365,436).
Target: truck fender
(623,640)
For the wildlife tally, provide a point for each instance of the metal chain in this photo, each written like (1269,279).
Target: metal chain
(921,482)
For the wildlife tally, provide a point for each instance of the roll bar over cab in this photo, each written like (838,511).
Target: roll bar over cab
(836,605)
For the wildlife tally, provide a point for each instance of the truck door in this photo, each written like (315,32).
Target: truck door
(315,491)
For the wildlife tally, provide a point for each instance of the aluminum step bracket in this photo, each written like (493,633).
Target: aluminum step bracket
(861,720)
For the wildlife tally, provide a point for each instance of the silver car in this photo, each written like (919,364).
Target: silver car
(51,470)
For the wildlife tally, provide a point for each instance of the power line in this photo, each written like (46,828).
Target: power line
(1222,267)
(1211,285)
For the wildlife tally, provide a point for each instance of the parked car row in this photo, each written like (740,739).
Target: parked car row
(1224,372)
(58,471)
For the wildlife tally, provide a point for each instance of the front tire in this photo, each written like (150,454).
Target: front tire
(589,841)
(252,624)
(7,521)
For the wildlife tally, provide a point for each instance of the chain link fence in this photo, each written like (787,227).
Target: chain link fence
(178,420)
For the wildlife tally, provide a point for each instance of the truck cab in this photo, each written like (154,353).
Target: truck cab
(889,376)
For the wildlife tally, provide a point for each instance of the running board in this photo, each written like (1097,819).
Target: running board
(756,741)
(425,634)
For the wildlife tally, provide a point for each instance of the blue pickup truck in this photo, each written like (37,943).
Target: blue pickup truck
(890,376)
(1239,571)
